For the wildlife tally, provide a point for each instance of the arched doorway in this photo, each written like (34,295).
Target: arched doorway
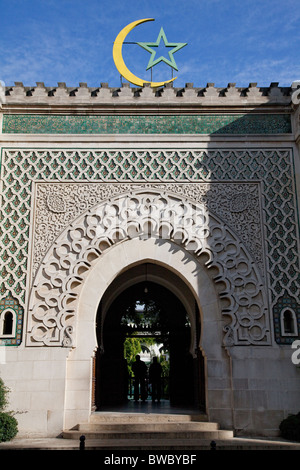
(217,272)
(143,303)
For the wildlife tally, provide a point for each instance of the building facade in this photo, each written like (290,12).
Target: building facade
(193,190)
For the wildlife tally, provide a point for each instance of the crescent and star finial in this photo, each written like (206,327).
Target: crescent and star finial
(151,47)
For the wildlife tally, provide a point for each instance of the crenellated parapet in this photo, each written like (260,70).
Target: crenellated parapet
(296,110)
(169,95)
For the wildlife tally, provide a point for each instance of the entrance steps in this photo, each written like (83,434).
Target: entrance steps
(147,431)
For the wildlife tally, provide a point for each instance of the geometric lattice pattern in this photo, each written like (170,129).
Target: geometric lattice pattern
(272,168)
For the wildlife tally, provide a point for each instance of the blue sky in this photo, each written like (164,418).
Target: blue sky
(239,41)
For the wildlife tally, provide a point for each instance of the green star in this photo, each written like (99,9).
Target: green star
(150,45)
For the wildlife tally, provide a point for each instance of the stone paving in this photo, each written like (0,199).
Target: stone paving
(157,446)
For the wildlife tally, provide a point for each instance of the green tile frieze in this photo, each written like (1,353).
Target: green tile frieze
(147,124)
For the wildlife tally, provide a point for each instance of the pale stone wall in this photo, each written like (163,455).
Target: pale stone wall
(36,379)
(266,388)
(249,388)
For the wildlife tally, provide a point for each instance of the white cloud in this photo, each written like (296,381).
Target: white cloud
(71,41)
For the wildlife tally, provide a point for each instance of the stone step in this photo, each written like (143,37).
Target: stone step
(179,435)
(141,427)
(115,417)
(144,427)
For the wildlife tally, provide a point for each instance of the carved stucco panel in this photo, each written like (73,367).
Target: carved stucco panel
(57,204)
(143,212)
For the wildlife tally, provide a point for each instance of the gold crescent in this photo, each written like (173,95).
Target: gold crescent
(119,61)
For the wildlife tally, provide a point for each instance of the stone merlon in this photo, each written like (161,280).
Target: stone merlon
(188,97)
